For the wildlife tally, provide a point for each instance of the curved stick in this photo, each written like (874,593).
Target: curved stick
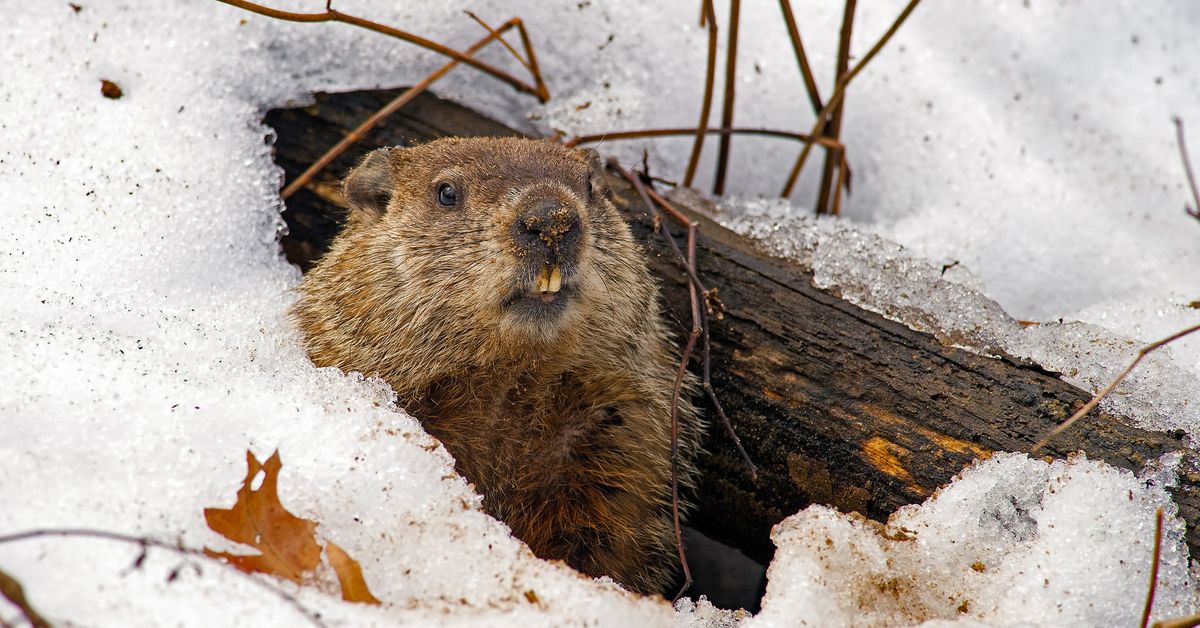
(332,15)
(145,542)
(1111,385)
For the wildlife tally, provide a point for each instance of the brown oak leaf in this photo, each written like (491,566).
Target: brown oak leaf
(286,543)
(349,575)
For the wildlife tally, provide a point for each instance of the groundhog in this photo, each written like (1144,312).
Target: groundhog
(494,286)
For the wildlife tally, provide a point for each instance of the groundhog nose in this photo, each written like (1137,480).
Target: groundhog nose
(548,226)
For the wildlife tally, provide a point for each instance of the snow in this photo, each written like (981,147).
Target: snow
(1020,535)
(144,347)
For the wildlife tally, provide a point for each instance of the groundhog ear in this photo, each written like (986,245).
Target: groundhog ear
(593,159)
(598,181)
(369,186)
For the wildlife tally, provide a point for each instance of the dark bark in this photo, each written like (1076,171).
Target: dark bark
(836,404)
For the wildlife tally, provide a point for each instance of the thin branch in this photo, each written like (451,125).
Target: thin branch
(810,83)
(654,201)
(1158,531)
(683,362)
(834,127)
(840,90)
(630,135)
(379,116)
(143,542)
(1193,211)
(708,15)
(1111,385)
(678,385)
(331,15)
(727,103)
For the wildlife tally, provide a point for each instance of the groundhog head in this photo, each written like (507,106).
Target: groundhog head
(514,239)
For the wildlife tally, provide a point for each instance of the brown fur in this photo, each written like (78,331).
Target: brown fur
(562,422)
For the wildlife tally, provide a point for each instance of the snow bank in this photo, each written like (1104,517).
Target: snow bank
(143,344)
(1013,541)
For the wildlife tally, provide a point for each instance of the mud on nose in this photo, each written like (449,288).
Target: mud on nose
(548,229)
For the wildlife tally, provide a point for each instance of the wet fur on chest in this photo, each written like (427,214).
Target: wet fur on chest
(532,434)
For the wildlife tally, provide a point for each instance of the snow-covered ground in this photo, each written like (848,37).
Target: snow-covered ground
(144,348)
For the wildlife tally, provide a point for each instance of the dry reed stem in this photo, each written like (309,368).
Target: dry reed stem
(500,38)
(707,14)
(142,541)
(843,181)
(1193,211)
(810,83)
(1154,563)
(629,135)
(379,116)
(332,15)
(833,128)
(730,88)
(1111,385)
(839,92)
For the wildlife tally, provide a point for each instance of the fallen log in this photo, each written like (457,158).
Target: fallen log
(835,404)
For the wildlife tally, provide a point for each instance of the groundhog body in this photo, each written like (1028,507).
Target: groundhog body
(494,286)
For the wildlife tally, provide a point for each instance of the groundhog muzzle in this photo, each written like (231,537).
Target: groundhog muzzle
(494,286)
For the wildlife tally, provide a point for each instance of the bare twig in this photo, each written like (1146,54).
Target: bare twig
(696,292)
(1158,530)
(654,201)
(810,83)
(630,135)
(12,591)
(727,103)
(833,129)
(839,92)
(707,15)
(332,15)
(678,386)
(403,99)
(1193,211)
(1111,385)
(500,38)
(141,541)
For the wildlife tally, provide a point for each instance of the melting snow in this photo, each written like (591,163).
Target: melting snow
(143,345)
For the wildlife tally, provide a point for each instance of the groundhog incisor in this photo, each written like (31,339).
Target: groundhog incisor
(493,284)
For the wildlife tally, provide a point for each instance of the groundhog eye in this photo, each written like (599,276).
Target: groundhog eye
(447,195)
(591,190)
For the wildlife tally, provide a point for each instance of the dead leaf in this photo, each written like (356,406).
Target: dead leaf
(287,543)
(110,89)
(12,590)
(349,575)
